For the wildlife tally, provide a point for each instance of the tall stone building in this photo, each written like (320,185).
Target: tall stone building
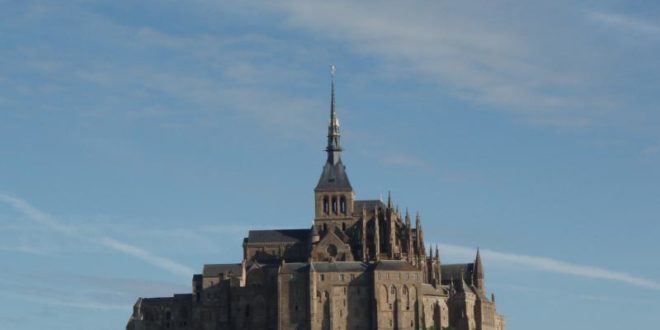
(361,265)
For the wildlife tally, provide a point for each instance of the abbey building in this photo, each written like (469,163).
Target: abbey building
(361,265)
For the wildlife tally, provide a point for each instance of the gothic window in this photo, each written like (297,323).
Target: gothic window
(322,277)
(342,204)
(332,251)
(334,204)
(326,205)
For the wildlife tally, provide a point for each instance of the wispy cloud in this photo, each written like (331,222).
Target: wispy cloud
(406,160)
(44,219)
(134,251)
(624,22)
(473,56)
(83,292)
(551,265)
(651,150)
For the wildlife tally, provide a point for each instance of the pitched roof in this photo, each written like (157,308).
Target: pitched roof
(399,265)
(212,270)
(455,271)
(369,205)
(278,236)
(334,178)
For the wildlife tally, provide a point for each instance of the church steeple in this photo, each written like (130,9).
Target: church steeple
(333,193)
(334,146)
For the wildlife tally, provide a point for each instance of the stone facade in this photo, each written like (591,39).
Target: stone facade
(361,265)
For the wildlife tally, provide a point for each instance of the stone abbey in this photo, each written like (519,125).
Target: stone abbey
(361,265)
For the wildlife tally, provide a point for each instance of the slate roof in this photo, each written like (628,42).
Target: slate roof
(369,205)
(398,265)
(278,236)
(339,266)
(334,178)
(212,270)
(454,271)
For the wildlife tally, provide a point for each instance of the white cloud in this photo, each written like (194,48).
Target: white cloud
(551,265)
(44,219)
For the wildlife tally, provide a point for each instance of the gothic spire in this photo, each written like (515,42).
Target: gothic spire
(478,273)
(478,267)
(334,147)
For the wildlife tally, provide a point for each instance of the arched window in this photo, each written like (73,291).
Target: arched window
(326,205)
(342,204)
(334,204)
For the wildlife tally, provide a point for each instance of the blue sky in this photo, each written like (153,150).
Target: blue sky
(141,140)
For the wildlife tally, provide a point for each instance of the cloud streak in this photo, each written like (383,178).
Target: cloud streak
(552,266)
(48,221)
(623,22)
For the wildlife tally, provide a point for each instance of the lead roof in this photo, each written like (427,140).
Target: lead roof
(278,236)
(334,178)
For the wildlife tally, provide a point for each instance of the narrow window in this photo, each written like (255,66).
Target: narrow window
(334,204)
(342,204)
(343,226)
(326,206)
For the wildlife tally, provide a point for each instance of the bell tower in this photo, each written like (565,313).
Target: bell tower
(333,195)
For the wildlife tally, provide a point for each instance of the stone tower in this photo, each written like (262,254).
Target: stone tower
(333,195)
